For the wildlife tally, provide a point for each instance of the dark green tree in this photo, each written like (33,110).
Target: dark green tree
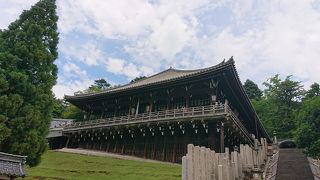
(313,91)
(138,79)
(101,84)
(59,107)
(252,90)
(98,86)
(28,49)
(307,134)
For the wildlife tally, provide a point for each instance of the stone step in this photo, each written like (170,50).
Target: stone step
(293,165)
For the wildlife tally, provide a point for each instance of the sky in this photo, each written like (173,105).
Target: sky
(119,40)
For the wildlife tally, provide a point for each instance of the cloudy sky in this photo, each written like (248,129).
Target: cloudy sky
(121,39)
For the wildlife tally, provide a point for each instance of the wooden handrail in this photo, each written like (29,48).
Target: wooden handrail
(173,113)
(162,115)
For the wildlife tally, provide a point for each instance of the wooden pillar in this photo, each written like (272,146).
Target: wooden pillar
(129,111)
(123,144)
(187,100)
(221,137)
(134,143)
(155,145)
(137,109)
(174,152)
(163,147)
(145,147)
(108,144)
(67,143)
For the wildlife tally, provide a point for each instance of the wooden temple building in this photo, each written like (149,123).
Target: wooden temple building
(158,116)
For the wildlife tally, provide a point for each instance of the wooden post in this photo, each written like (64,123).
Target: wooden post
(202,163)
(163,147)
(220,172)
(123,142)
(67,143)
(137,109)
(197,174)
(145,146)
(190,162)
(174,149)
(185,168)
(222,137)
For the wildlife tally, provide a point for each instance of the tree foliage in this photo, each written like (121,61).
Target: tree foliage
(252,90)
(138,79)
(290,111)
(73,112)
(98,86)
(307,134)
(313,91)
(278,105)
(28,49)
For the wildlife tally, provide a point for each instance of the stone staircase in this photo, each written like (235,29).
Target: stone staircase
(293,165)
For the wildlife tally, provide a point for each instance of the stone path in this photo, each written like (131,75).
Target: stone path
(293,165)
(107,154)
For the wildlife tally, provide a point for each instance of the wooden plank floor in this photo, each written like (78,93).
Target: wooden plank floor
(293,165)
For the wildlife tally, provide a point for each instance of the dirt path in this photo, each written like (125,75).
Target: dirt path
(293,165)
(107,154)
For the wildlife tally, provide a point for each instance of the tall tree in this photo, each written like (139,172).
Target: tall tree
(252,90)
(307,134)
(313,91)
(28,49)
(276,109)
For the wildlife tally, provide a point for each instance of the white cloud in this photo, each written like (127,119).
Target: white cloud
(10,10)
(265,37)
(119,66)
(73,79)
(285,43)
(88,53)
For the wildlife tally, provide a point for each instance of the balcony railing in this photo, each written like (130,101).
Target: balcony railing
(158,116)
(200,111)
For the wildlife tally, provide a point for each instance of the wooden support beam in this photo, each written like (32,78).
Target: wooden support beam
(163,147)
(145,146)
(123,144)
(221,137)
(174,152)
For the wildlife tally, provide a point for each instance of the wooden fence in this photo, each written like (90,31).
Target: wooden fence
(315,167)
(201,163)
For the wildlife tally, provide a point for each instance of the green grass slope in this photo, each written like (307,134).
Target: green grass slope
(59,165)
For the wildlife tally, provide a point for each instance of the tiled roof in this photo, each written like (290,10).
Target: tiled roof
(164,76)
(12,165)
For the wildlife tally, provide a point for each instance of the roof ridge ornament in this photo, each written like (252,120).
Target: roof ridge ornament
(231,59)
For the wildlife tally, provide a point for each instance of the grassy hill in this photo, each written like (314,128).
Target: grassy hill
(59,165)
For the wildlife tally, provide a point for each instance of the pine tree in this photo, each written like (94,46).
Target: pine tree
(28,49)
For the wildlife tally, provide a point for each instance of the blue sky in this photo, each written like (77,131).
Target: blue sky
(119,40)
